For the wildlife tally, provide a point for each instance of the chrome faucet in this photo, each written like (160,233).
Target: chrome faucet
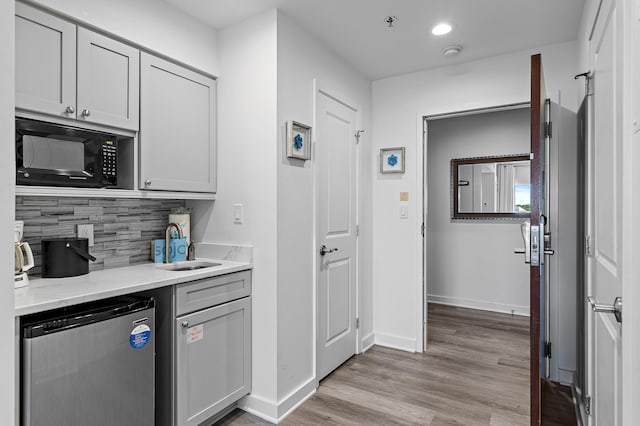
(191,251)
(167,239)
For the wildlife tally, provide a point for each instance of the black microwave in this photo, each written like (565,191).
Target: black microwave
(56,155)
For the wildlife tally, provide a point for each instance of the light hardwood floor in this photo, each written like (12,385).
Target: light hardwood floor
(475,372)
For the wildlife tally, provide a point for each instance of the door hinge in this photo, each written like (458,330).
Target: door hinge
(587,246)
(587,405)
(547,349)
(548,129)
(422,229)
(357,230)
(357,322)
(531,156)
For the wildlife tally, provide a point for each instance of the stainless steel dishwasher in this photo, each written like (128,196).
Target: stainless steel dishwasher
(90,365)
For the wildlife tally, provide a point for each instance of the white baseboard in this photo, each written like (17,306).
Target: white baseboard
(565,377)
(292,401)
(275,413)
(395,342)
(261,407)
(367,342)
(479,304)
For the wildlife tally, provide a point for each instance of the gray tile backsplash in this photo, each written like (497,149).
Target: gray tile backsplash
(122,228)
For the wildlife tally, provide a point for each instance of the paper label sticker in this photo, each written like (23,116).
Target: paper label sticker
(195,333)
(140,336)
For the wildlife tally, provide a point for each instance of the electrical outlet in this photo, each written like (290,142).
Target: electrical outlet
(86,231)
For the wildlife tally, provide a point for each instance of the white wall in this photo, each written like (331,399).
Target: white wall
(7,214)
(155,25)
(301,59)
(247,153)
(471,262)
(398,102)
(263,83)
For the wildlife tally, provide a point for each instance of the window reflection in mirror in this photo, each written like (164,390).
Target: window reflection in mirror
(491,187)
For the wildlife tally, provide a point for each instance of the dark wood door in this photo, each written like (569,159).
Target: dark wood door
(538,99)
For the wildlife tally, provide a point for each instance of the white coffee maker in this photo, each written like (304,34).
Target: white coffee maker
(23,255)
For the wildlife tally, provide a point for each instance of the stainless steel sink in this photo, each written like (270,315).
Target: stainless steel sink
(188,265)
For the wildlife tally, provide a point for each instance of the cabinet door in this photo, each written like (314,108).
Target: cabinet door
(108,81)
(213,360)
(177,128)
(45,62)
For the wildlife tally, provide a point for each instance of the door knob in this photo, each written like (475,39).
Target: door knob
(324,250)
(615,309)
(184,324)
(85,113)
(147,182)
(69,110)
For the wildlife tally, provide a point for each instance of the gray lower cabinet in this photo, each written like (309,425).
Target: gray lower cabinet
(177,128)
(69,71)
(213,360)
(203,348)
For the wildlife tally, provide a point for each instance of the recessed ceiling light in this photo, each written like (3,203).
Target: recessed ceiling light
(441,29)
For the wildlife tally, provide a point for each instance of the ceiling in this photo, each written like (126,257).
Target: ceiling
(355,29)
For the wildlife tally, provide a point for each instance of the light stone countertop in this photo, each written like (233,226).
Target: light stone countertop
(43,294)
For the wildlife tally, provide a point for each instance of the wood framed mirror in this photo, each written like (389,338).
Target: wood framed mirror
(491,187)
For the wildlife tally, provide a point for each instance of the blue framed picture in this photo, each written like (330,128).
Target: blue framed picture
(298,140)
(392,160)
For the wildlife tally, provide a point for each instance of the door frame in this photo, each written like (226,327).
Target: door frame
(319,87)
(422,132)
(631,201)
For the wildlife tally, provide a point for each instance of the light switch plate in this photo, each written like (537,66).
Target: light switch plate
(238,213)
(86,231)
(404,211)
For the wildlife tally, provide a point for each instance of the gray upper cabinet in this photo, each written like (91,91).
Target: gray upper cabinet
(108,81)
(45,62)
(49,53)
(177,128)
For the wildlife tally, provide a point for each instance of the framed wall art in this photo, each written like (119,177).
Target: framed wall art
(298,140)
(392,160)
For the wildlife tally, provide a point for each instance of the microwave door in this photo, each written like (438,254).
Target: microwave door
(55,156)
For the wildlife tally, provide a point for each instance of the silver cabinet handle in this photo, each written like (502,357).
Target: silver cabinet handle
(147,182)
(185,324)
(69,110)
(324,250)
(615,309)
(85,113)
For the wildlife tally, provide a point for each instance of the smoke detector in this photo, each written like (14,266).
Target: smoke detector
(452,51)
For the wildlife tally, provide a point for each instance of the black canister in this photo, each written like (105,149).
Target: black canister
(65,257)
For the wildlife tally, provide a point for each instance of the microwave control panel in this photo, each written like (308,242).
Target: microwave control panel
(110,161)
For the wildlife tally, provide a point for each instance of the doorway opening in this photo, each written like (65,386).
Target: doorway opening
(469,262)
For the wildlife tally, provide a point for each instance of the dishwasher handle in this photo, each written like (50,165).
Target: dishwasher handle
(78,315)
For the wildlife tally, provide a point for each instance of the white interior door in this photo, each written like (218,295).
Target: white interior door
(604,332)
(336,162)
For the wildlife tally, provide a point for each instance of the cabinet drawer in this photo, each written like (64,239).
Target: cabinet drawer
(196,295)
